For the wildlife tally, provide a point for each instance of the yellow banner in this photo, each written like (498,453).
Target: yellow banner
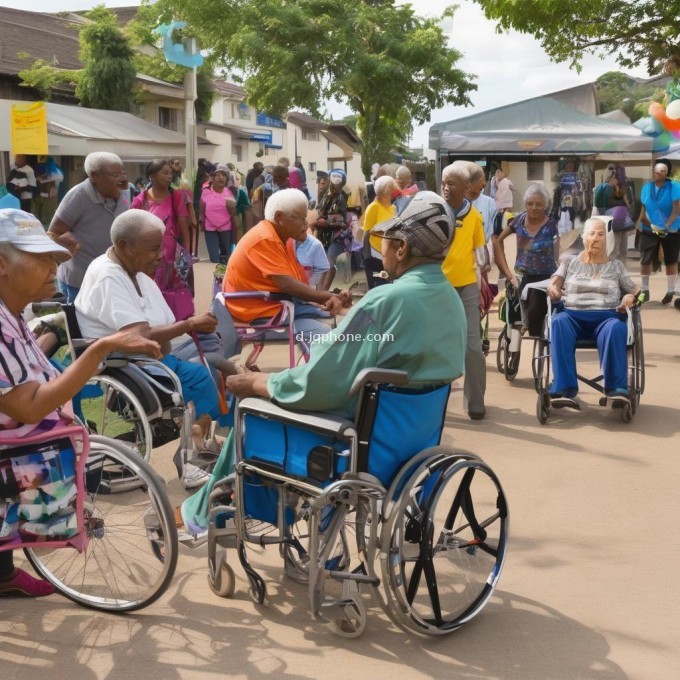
(29,128)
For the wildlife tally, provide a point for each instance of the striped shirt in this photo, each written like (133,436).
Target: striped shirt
(22,361)
(594,286)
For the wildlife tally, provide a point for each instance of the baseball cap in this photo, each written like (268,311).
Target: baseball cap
(424,223)
(25,232)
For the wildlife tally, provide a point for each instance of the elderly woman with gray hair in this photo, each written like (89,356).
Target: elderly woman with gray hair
(119,293)
(596,291)
(537,250)
(82,222)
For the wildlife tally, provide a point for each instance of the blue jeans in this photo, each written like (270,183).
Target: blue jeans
(218,244)
(308,320)
(69,292)
(608,328)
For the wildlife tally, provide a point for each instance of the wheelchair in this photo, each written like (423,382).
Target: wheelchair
(511,313)
(375,503)
(279,328)
(135,400)
(108,551)
(636,371)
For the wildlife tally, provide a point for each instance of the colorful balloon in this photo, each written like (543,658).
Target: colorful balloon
(673,109)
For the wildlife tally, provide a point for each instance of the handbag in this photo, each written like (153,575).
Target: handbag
(180,301)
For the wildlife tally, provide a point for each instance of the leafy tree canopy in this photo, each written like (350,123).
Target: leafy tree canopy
(617,90)
(635,31)
(109,74)
(389,65)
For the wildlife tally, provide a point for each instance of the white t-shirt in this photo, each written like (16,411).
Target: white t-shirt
(108,300)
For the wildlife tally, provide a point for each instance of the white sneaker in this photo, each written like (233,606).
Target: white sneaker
(193,476)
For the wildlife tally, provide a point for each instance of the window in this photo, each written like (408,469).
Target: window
(237,150)
(535,170)
(242,111)
(310,135)
(312,167)
(171,119)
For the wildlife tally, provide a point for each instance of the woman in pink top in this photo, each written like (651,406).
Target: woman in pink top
(217,209)
(167,204)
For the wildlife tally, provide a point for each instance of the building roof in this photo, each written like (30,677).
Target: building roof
(77,131)
(41,36)
(229,89)
(541,125)
(304,120)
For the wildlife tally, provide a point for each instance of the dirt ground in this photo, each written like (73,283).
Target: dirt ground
(588,590)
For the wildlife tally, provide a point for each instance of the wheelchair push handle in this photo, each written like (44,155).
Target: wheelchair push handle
(378,375)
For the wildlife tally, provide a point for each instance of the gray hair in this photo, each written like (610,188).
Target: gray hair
(402,170)
(382,184)
(286,201)
(457,169)
(591,222)
(476,171)
(130,225)
(538,189)
(99,160)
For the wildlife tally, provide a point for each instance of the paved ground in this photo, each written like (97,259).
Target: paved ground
(588,590)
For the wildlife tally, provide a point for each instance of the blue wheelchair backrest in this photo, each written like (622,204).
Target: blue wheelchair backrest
(395,424)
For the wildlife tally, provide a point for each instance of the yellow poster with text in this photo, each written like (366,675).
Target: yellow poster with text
(29,128)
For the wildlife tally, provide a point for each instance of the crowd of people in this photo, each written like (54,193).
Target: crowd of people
(124,255)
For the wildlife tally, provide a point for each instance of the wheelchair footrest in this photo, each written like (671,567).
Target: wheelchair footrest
(353,576)
(565,402)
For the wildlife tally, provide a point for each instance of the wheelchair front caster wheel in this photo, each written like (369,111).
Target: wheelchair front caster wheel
(227,582)
(603,401)
(353,621)
(627,413)
(542,408)
(258,588)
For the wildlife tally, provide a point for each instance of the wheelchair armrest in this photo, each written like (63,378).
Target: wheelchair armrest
(378,375)
(538,285)
(266,409)
(253,294)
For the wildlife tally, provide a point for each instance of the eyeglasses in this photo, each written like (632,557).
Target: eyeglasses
(115,175)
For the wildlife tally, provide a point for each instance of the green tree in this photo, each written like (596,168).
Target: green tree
(635,31)
(109,74)
(390,66)
(617,90)
(45,78)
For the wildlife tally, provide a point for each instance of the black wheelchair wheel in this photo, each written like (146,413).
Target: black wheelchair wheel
(443,544)
(112,410)
(132,546)
(502,350)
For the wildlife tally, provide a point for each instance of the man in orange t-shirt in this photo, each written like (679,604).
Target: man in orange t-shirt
(264,260)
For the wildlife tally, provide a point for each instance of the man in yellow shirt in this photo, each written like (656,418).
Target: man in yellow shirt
(460,268)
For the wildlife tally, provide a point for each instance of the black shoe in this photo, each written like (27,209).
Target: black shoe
(643,297)
(668,297)
(676,304)
(476,415)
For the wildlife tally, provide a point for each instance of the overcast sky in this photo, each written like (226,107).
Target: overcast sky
(509,67)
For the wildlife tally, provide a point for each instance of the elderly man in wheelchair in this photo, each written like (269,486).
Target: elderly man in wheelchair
(593,292)
(316,480)
(38,499)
